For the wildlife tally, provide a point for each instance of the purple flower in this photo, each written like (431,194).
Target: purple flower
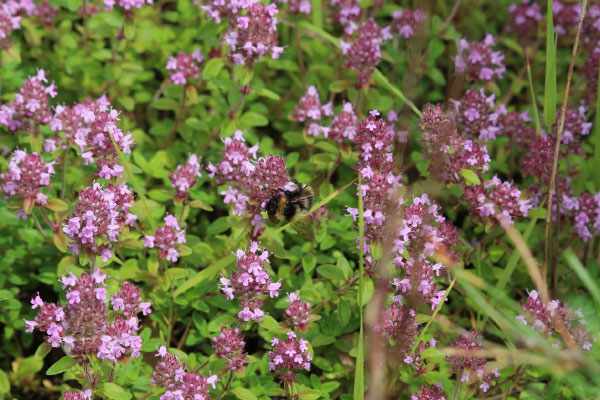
(165,239)
(26,175)
(184,67)
(289,355)
(478,60)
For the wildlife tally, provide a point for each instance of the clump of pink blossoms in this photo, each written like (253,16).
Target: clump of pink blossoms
(253,34)
(478,61)
(171,374)
(556,321)
(85,395)
(94,138)
(433,392)
(475,114)
(523,21)
(289,355)
(9,22)
(252,181)
(585,214)
(226,9)
(471,368)
(30,109)
(310,107)
(249,282)
(185,178)
(98,218)
(347,13)
(184,67)
(83,324)
(298,311)
(229,344)
(363,50)
(27,174)
(126,4)
(297,6)
(406,23)
(165,239)
(398,327)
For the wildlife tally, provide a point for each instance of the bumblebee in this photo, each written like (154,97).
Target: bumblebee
(292,207)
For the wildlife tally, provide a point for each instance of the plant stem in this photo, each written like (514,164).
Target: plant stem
(226,387)
(120,36)
(37,223)
(457,387)
(50,224)
(64,174)
(561,125)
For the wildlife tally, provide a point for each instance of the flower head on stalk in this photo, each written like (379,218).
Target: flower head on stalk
(126,4)
(346,13)
(184,67)
(363,50)
(475,114)
(471,368)
(31,108)
(26,175)
(297,311)
(166,238)
(297,6)
(433,392)
(185,178)
(478,60)
(97,138)
(399,329)
(83,324)
(556,321)
(253,34)
(249,282)
(310,107)
(9,22)
(98,218)
(85,395)
(288,355)
(524,19)
(171,374)
(406,22)
(229,345)
(584,212)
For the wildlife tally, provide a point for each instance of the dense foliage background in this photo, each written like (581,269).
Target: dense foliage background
(140,143)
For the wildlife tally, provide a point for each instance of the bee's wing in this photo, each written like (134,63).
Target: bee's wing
(304,228)
(310,190)
(316,183)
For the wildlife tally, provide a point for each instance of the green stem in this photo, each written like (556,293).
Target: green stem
(359,377)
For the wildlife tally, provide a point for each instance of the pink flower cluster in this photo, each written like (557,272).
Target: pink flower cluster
(475,114)
(27,174)
(85,395)
(590,71)
(566,16)
(298,311)
(226,9)
(98,218)
(83,325)
(297,6)
(343,125)
(523,21)
(398,327)
(253,34)
(94,137)
(30,109)
(515,125)
(433,392)
(347,13)
(310,107)
(289,355)
(498,199)
(584,213)
(185,178)
(165,239)
(421,231)
(478,61)
(9,21)
(170,374)
(184,67)
(254,181)
(471,368)
(126,4)
(556,321)
(374,143)
(250,281)
(406,23)
(574,129)
(363,50)
(230,346)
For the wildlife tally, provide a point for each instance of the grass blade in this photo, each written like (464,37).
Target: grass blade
(583,275)
(435,312)
(317,13)
(359,372)
(550,82)
(534,107)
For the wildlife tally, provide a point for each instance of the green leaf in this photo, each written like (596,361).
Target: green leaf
(42,351)
(534,107)
(115,392)
(269,323)
(309,262)
(332,272)
(61,365)
(252,118)
(212,68)
(206,273)
(309,394)
(367,292)
(4,383)
(166,104)
(269,94)
(243,393)
(28,366)
(470,176)
(57,205)
(550,81)
(583,275)
(317,13)
(219,225)
(385,83)
(200,204)
(339,86)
